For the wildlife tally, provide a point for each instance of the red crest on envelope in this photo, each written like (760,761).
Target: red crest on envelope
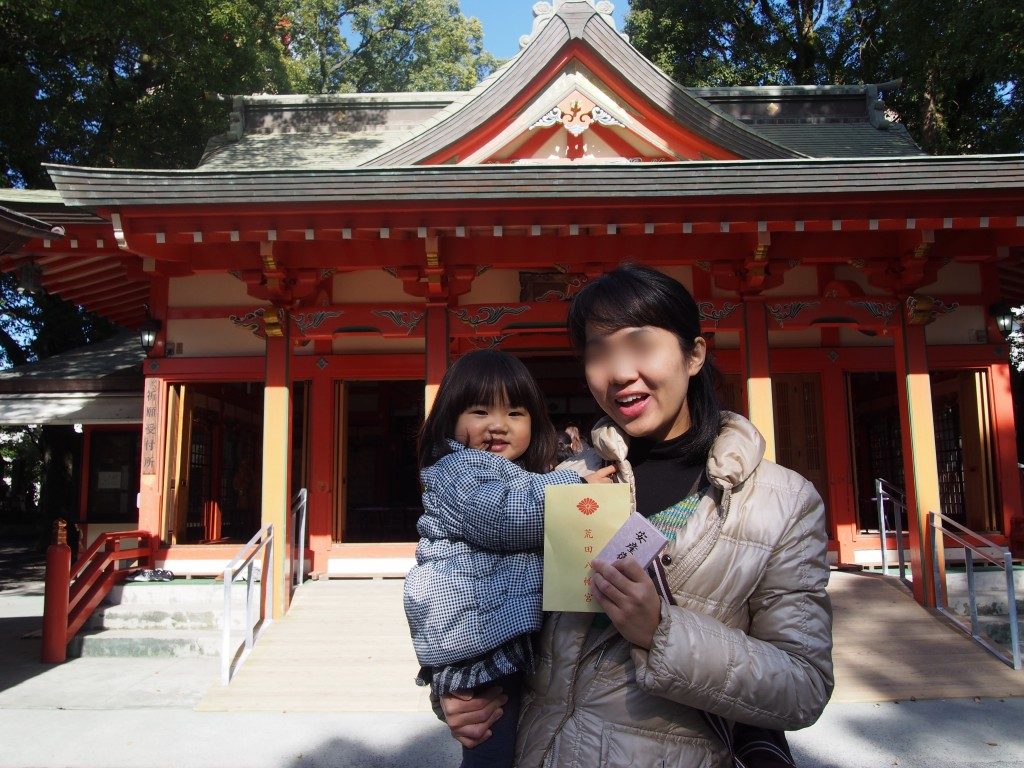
(587,506)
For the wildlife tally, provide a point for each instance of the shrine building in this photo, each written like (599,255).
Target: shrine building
(310,281)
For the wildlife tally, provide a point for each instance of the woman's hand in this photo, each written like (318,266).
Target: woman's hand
(470,715)
(626,593)
(603,475)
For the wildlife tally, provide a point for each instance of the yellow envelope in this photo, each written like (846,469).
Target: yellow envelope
(578,521)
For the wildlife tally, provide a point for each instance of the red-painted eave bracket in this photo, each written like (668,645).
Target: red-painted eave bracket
(80,270)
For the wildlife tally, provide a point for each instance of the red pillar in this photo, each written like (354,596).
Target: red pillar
(841,498)
(757,372)
(277,438)
(321,491)
(83,489)
(56,597)
(920,467)
(1005,432)
(437,351)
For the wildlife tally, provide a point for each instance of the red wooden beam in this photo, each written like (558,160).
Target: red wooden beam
(112,292)
(68,272)
(101,275)
(876,213)
(65,263)
(133,302)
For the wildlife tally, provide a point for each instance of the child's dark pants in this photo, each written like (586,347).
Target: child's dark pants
(499,751)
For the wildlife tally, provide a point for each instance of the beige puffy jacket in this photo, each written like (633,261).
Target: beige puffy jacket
(750,638)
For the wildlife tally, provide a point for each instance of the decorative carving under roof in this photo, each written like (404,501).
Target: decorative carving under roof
(576,112)
(544,12)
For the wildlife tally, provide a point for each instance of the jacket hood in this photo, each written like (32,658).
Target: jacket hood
(736,452)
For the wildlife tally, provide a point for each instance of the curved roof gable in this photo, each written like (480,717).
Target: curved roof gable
(574,118)
(576,32)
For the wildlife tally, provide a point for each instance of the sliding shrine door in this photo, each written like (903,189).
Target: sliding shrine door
(176,470)
(214,462)
(379,500)
(799,435)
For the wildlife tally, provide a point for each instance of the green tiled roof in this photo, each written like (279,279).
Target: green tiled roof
(337,130)
(394,129)
(643,181)
(116,362)
(46,206)
(300,150)
(842,139)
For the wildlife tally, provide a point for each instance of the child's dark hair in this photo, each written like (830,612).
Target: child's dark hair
(633,296)
(483,377)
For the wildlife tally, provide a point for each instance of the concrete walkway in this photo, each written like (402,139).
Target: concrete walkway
(887,647)
(122,713)
(343,647)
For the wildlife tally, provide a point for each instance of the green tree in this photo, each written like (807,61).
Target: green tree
(962,65)
(32,328)
(130,83)
(375,46)
(123,82)
(36,327)
(20,467)
(960,61)
(745,42)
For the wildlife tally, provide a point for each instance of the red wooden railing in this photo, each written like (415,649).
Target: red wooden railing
(74,592)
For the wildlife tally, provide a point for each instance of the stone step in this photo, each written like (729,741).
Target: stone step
(998,631)
(985,579)
(181,616)
(149,643)
(995,628)
(178,592)
(989,604)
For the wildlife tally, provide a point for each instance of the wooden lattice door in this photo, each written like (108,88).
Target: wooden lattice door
(798,427)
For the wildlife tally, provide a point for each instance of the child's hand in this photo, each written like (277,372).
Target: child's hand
(603,475)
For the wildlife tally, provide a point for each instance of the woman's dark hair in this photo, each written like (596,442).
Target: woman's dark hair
(633,296)
(483,377)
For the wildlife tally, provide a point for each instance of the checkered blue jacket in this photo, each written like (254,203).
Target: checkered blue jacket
(477,579)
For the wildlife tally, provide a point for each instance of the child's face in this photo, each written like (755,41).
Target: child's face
(497,428)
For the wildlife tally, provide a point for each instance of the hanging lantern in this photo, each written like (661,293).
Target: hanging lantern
(1002,313)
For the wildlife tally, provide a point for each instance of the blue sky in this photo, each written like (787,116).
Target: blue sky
(505,21)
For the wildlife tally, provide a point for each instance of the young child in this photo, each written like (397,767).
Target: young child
(474,596)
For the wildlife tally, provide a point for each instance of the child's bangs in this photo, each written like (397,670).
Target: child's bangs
(483,390)
(496,384)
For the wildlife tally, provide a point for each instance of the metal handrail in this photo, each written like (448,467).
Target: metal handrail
(886,491)
(299,520)
(936,529)
(263,542)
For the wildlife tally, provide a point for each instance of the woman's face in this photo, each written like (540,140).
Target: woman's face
(640,377)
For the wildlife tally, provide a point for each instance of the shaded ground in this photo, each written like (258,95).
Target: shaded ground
(21,567)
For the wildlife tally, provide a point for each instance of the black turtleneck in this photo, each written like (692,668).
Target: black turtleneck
(665,472)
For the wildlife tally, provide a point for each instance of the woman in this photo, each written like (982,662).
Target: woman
(745,633)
